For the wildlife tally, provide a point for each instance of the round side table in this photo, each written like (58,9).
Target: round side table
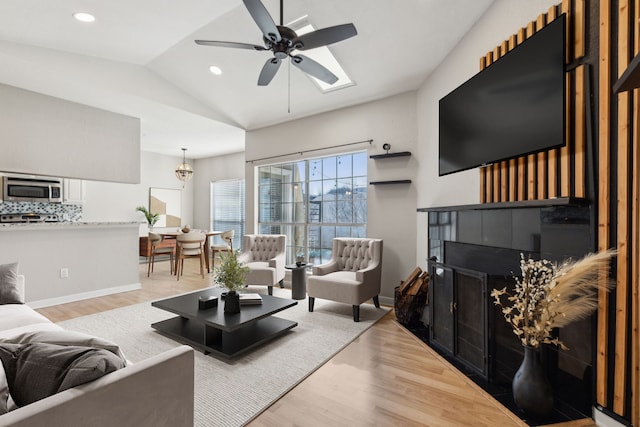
(298,280)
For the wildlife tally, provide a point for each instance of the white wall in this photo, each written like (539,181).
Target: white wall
(501,20)
(108,201)
(44,135)
(391,209)
(213,169)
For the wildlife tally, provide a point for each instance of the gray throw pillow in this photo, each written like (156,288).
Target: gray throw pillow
(9,293)
(66,338)
(38,370)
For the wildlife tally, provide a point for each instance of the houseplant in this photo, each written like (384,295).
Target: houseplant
(548,296)
(230,273)
(151,218)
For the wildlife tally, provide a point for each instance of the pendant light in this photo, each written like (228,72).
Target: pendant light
(184,172)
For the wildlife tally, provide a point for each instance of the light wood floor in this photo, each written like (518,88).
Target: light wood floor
(387,377)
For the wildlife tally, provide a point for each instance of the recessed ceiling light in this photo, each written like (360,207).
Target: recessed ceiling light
(84,17)
(215,70)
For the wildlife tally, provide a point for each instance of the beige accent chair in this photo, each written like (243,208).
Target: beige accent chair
(189,245)
(352,276)
(264,254)
(227,246)
(154,241)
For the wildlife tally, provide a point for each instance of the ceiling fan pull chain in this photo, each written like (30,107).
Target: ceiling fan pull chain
(289,84)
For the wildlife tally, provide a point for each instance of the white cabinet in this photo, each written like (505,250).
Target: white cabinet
(73,191)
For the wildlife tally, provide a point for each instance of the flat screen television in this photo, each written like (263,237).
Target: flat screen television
(514,107)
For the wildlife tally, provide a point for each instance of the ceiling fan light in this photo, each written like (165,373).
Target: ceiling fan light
(84,17)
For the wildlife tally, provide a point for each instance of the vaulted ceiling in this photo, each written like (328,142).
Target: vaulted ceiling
(139,58)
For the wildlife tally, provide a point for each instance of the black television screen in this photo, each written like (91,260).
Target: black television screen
(514,107)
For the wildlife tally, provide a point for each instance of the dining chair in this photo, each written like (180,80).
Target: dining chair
(227,246)
(189,245)
(155,240)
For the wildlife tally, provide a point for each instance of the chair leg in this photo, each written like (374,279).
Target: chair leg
(149,264)
(376,301)
(202,264)
(180,268)
(311,301)
(270,288)
(281,284)
(356,313)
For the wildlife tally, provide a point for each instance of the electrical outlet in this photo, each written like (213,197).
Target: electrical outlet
(64,273)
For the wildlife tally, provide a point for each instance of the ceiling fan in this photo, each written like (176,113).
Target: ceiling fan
(282,41)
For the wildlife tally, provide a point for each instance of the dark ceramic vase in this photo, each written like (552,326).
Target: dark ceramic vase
(232,302)
(532,391)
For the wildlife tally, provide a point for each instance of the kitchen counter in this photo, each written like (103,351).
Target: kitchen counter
(72,261)
(23,226)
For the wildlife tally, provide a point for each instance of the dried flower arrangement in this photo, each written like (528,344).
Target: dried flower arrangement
(550,296)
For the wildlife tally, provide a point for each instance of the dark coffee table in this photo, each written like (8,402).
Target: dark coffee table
(213,331)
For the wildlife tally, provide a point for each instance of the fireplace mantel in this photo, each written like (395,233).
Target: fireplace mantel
(560,201)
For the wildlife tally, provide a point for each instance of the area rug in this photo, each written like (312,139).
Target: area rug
(232,393)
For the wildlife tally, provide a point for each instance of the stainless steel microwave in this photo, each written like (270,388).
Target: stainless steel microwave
(28,189)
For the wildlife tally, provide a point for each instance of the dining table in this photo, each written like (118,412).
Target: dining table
(208,235)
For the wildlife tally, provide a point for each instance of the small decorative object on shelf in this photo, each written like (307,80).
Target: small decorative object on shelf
(548,296)
(386,147)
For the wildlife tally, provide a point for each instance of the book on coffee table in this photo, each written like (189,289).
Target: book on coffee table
(250,299)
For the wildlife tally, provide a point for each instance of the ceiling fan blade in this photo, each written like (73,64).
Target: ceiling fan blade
(259,14)
(324,36)
(314,69)
(268,71)
(230,44)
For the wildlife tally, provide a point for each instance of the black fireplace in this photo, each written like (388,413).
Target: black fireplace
(474,249)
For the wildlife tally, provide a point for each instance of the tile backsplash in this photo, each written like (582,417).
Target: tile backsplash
(64,212)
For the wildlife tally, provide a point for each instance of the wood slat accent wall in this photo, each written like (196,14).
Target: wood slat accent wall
(619,223)
(604,196)
(635,236)
(564,172)
(623,210)
(554,173)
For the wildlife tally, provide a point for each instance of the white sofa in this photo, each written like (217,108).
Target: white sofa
(158,391)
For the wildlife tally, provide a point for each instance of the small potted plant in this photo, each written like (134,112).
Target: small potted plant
(151,218)
(231,274)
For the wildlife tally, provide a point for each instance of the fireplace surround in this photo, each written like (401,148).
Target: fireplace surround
(476,248)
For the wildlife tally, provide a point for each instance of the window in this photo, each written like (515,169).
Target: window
(227,208)
(312,201)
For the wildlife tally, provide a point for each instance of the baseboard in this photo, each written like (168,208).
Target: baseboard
(82,296)
(386,301)
(604,418)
